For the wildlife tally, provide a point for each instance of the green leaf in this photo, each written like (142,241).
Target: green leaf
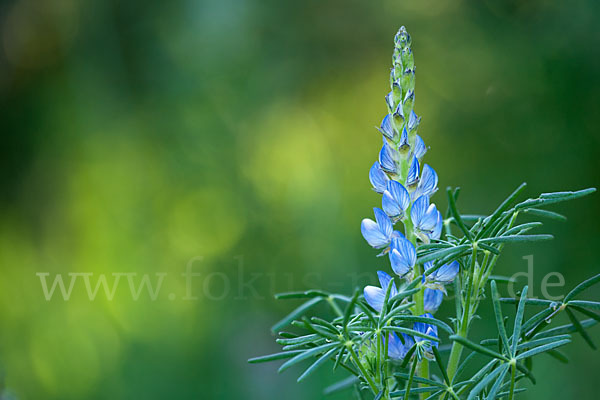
(307,354)
(517,238)
(297,312)
(502,279)
(489,248)
(565,329)
(485,382)
(419,379)
(452,251)
(341,385)
(522,228)
(580,329)
(581,287)
(405,294)
(593,305)
(349,309)
(529,302)
(432,321)
(545,213)
(543,348)
(301,295)
(498,383)
(538,342)
(456,215)
(518,321)
(489,221)
(498,316)
(585,312)
(438,360)
(558,355)
(400,393)
(535,323)
(478,348)
(410,332)
(316,364)
(273,357)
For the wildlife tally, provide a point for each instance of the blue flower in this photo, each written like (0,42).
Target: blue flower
(396,349)
(403,256)
(413,172)
(388,158)
(427,184)
(426,219)
(445,274)
(378,178)
(403,146)
(432,298)
(395,200)
(375,296)
(378,234)
(413,121)
(389,99)
(419,148)
(427,329)
(387,129)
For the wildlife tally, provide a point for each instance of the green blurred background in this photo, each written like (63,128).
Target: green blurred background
(236,137)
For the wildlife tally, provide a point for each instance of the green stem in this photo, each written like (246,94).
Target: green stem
(456,351)
(378,376)
(512,381)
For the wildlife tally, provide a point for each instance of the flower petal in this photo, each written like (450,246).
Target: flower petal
(446,273)
(386,159)
(432,298)
(387,129)
(419,148)
(378,178)
(374,296)
(384,222)
(413,172)
(372,234)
